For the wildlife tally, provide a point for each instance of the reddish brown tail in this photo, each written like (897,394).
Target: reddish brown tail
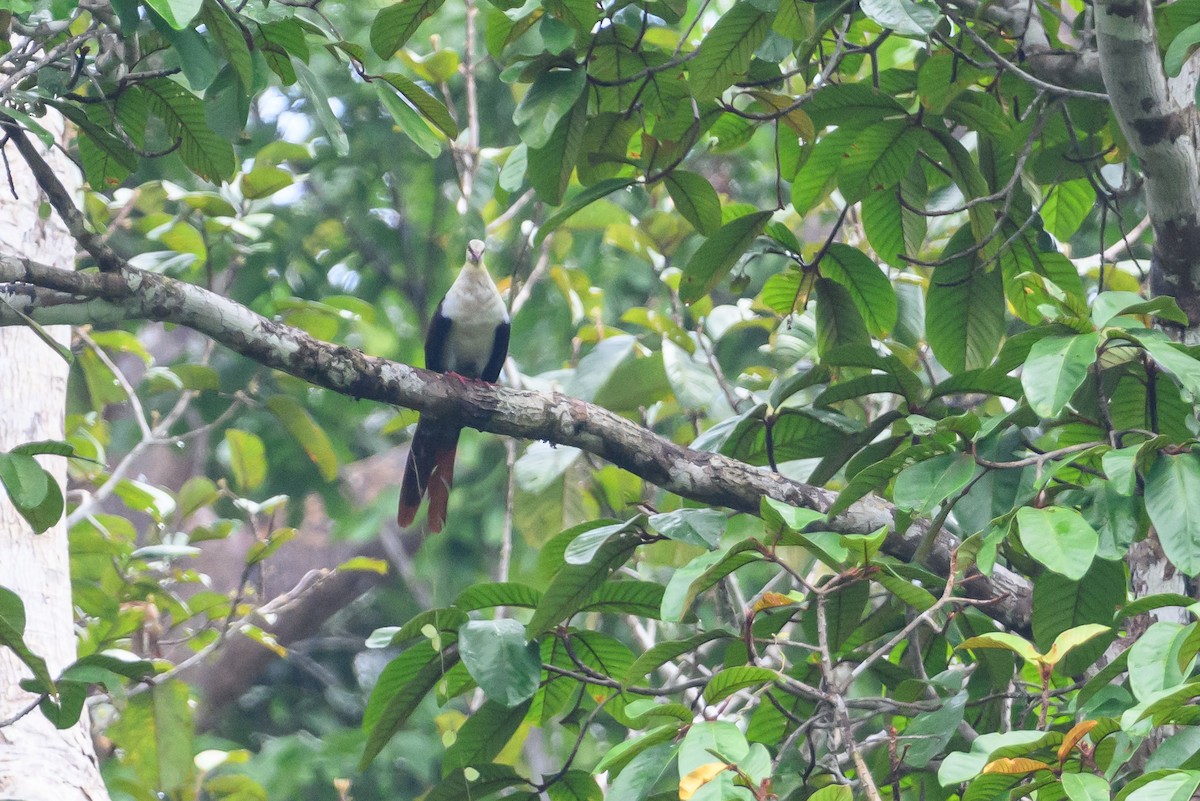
(430,469)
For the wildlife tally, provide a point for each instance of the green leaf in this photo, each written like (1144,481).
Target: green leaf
(507,593)
(703,572)
(1108,305)
(1086,787)
(394,25)
(318,99)
(839,323)
(924,485)
(702,527)
(713,260)
(1067,206)
(429,106)
(247,458)
(1181,49)
(879,157)
(669,651)
(1060,603)
(33,491)
(931,731)
(624,752)
(964,317)
(1183,367)
(484,735)
(695,199)
(816,178)
(642,598)
(1172,486)
(409,121)
(401,687)
(500,660)
(640,774)
(481,781)
(550,167)
(729,681)
(155,732)
(844,609)
(868,286)
(203,151)
(906,17)
(725,52)
(301,425)
(1059,538)
(279,41)
(578,202)
(710,741)
(1055,368)
(265,181)
(550,99)
(230,39)
(574,585)
(12,635)
(177,13)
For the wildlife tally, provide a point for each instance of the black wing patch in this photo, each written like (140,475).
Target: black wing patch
(499,352)
(436,341)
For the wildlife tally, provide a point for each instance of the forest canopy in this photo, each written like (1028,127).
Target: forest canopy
(847,428)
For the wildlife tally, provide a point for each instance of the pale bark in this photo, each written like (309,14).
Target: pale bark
(1159,120)
(38,762)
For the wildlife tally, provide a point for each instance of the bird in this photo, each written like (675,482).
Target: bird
(467,338)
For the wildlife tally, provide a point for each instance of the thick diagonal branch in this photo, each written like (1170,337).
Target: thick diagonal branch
(48,295)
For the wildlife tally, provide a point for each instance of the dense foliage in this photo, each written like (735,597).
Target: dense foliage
(853,243)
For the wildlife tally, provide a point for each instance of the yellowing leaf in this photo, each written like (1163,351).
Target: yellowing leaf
(1077,733)
(699,777)
(1015,767)
(771,600)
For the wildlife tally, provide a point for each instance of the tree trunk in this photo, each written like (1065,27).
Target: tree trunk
(37,761)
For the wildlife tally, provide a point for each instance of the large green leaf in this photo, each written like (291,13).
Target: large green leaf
(501,661)
(429,106)
(924,485)
(869,288)
(314,90)
(204,152)
(484,735)
(12,635)
(574,585)
(578,202)
(839,323)
(879,157)
(550,99)
(33,491)
(177,13)
(713,260)
(301,425)
(155,732)
(1055,369)
(1172,487)
(1059,538)
(229,38)
(395,24)
(695,199)
(964,316)
(1067,206)
(401,686)
(725,52)
(550,167)
(908,17)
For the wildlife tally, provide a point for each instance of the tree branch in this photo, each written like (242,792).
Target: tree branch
(52,296)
